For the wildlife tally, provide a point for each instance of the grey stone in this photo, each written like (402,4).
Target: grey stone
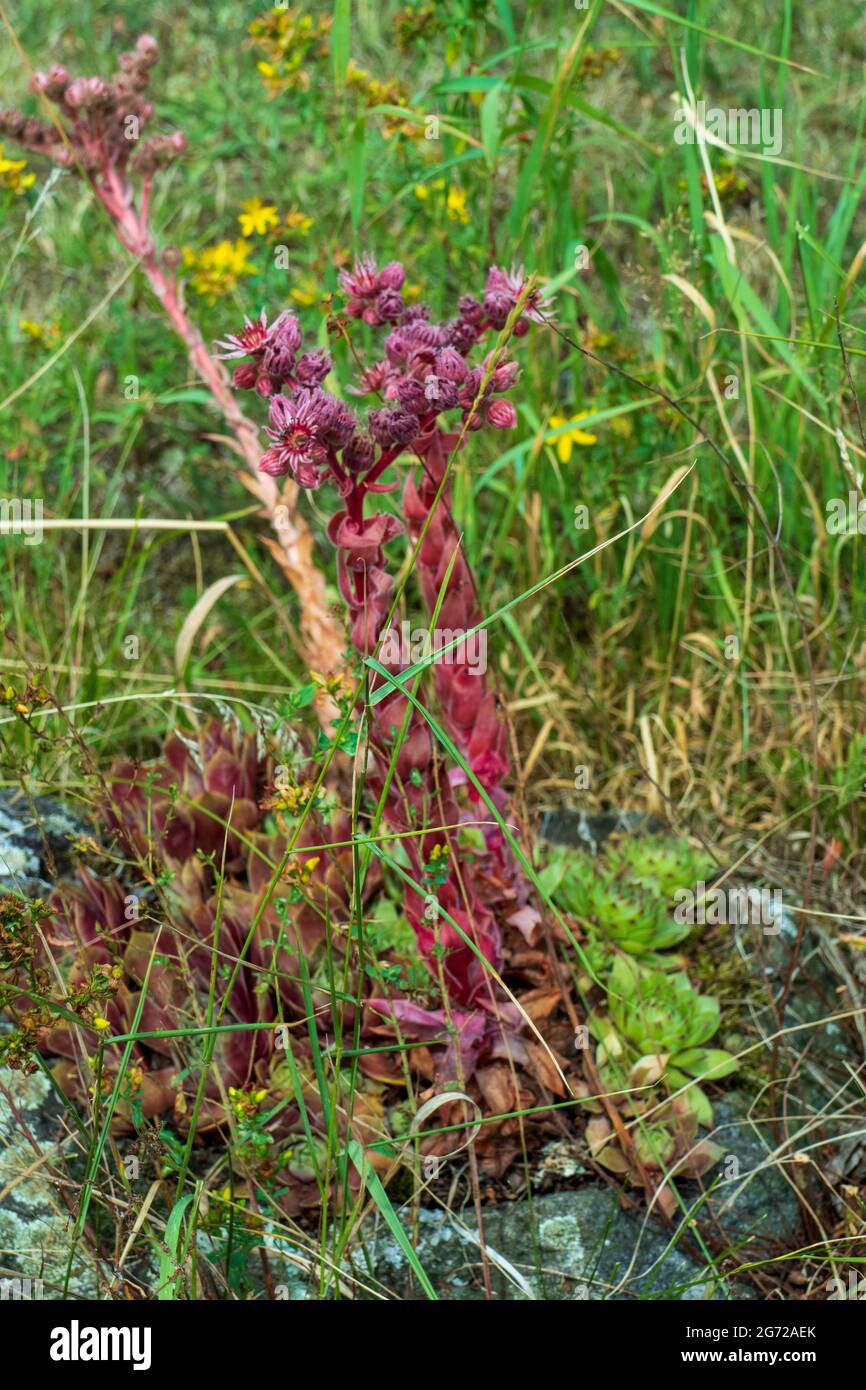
(590,832)
(560,1247)
(35,838)
(35,1225)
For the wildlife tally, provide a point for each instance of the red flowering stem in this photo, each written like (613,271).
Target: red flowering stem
(94,128)
(418,792)
(467,703)
(427,373)
(323,636)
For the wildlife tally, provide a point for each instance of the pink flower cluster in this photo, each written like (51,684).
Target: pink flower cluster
(425,373)
(103,119)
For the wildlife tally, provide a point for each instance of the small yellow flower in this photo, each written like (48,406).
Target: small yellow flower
(305,871)
(216,270)
(457,204)
(564,443)
(305,293)
(101,1023)
(45,334)
(256,217)
(12,174)
(297,221)
(423,190)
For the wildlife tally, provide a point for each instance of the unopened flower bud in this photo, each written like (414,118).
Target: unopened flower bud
(244,375)
(470,309)
(40,81)
(279,359)
(147,49)
(462,335)
(439,394)
(505,376)
(392,276)
(359,453)
(450,365)
(393,426)
(497,307)
(76,94)
(404,426)
(287,331)
(410,393)
(389,306)
(502,415)
(313,367)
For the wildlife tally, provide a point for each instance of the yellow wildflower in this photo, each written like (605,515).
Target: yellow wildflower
(297,221)
(45,334)
(423,190)
(12,174)
(256,217)
(216,270)
(291,42)
(101,1023)
(454,201)
(457,204)
(305,293)
(564,443)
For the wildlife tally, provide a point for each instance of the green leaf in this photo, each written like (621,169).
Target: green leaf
(705,1019)
(357,172)
(699,1104)
(503,9)
(715,34)
(383,1202)
(491,132)
(751,309)
(168,1262)
(550,116)
(341,31)
(526,83)
(708,1063)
